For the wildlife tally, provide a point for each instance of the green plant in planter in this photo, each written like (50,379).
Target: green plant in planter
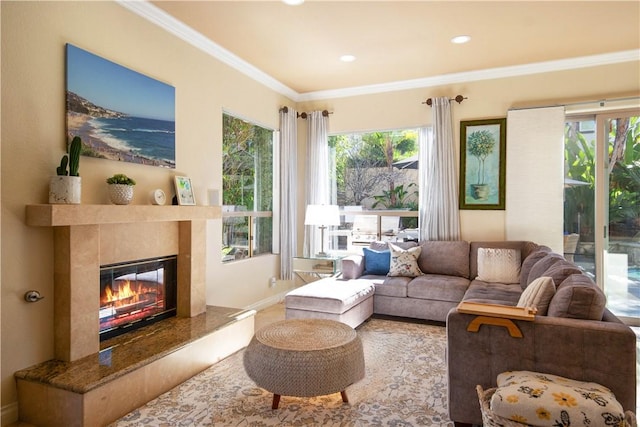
(121,178)
(120,189)
(72,159)
(480,144)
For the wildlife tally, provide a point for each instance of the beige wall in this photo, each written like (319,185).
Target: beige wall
(33,39)
(486,99)
(33,140)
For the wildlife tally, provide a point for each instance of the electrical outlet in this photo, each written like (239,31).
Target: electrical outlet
(272,282)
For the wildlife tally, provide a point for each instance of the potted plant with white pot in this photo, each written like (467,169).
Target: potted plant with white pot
(120,189)
(66,185)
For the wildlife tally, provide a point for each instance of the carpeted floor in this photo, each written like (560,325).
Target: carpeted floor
(404,385)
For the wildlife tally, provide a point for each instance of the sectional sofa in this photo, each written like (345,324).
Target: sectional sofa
(572,335)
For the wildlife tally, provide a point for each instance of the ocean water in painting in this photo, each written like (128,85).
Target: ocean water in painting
(148,138)
(120,114)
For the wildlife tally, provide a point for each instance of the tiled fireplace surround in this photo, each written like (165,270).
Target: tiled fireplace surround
(86,237)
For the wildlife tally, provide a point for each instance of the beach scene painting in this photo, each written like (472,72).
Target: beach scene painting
(119,113)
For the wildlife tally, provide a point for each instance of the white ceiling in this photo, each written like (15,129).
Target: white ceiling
(403,43)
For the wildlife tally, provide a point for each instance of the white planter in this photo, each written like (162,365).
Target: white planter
(120,194)
(65,190)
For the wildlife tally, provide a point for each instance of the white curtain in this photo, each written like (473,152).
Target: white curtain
(438,211)
(317,175)
(288,199)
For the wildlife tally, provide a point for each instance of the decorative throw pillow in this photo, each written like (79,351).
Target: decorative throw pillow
(376,262)
(538,294)
(543,265)
(578,297)
(529,262)
(404,262)
(539,399)
(499,265)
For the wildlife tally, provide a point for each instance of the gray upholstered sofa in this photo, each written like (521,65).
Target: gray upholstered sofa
(577,337)
(449,270)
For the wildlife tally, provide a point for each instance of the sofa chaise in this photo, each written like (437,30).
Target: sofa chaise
(572,335)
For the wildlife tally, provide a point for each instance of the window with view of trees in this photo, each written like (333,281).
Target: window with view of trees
(247,189)
(375,171)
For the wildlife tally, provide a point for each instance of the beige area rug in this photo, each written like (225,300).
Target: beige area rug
(405,385)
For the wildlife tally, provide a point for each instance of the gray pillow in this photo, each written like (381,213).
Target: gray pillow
(529,262)
(543,265)
(578,297)
(450,258)
(560,270)
(381,246)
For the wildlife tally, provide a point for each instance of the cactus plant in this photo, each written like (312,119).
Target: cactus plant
(74,156)
(62,169)
(72,159)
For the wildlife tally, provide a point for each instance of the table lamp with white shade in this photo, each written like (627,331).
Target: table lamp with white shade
(322,216)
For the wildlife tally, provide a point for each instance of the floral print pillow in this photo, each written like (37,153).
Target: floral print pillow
(404,262)
(539,399)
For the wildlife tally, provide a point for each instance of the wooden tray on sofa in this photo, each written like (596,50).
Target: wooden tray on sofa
(497,310)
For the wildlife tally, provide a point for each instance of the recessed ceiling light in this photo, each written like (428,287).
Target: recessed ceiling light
(347,58)
(460,39)
(293,2)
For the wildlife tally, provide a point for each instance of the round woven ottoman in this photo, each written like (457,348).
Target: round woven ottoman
(305,358)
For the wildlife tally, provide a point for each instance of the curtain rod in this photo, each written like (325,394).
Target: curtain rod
(325,113)
(601,102)
(304,115)
(458,99)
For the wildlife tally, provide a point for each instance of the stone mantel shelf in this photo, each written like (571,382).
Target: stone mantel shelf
(51,215)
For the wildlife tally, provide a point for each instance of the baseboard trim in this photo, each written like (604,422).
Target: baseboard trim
(9,414)
(262,304)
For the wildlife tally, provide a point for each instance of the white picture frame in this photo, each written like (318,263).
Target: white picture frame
(184,191)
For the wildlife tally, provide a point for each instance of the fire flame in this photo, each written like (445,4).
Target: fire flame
(124,292)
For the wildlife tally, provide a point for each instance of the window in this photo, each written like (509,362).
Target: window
(247,189)
(375,181)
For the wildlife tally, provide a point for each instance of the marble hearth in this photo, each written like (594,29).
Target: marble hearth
(70,388)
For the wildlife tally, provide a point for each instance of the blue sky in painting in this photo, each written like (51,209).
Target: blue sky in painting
(115,87)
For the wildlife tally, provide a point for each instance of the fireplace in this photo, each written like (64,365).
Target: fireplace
(136,293)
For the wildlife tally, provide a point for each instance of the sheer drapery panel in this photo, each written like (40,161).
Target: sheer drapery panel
(439,215)
(288,199)
(317,174)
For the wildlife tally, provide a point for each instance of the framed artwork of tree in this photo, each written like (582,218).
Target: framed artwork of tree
(482,164)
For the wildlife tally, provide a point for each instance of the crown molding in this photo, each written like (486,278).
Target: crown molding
(167,22)
(470,76)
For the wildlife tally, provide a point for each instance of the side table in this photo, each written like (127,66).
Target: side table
(317,267)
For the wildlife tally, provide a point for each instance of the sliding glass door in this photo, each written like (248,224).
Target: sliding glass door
(602,205)
(619,146)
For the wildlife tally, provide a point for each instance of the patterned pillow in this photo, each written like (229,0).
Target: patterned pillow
(404,262)
(499,265)
(538,294)
(548,400)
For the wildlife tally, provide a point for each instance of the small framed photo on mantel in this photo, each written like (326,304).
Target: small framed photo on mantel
(184,191)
